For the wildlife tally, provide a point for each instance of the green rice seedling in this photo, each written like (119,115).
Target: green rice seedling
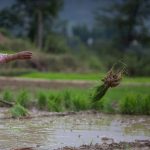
(52,107)
(109,106)
(23,98)
(81,103)
(127,105)
(8,96)
(135,104)
(55,102)
(67,97)
(18,111)
(138,102)
(112,79)
(146,105)
(42,100)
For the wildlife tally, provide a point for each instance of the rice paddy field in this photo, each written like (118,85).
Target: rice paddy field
(80,76)
(46,110)
(61,92)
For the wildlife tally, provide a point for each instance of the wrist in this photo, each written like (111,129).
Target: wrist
(14,56)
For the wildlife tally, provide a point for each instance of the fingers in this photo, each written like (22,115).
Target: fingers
(25,55)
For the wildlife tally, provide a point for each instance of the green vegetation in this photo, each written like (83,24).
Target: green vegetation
(135,104)
(18,111)
(23,98)
(81,76)
(64,76)
(125,100)
(7,95)
(42,100)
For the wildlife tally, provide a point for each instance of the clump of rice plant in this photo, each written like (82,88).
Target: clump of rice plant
(54,102)
(146,105)
(23,98)
(42,100)
(7,96)
(18,111)
(111,80)
(135,104)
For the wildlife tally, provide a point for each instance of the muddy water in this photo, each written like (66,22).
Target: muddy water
(84,128)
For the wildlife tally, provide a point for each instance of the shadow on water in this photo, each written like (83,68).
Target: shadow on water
(75,130)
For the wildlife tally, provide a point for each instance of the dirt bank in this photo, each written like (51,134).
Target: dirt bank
(17,83)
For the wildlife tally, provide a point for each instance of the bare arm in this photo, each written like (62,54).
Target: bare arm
(24,55)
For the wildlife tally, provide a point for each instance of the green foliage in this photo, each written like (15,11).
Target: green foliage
(122,19)
(4,32)
(14,71)
(135,104)
(14,17)
(8,96)
(42,100)
(23,98)
(56,44)
(18,111)
(137,63)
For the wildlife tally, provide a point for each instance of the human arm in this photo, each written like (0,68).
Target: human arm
(24,55)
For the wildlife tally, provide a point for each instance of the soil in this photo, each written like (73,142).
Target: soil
(137,145)
(17,83)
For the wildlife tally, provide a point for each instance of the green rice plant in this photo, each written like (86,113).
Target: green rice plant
(8,96)
(112,79)
(109,106)
(80,103)
(42,100)
(146,105)
(18,111)
(135,104)
(23,98)
(67,97)
(55,102)
(127,105)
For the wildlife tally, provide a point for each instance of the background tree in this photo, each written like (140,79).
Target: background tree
(30,17)
(127,20)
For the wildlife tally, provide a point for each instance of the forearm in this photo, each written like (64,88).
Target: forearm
(24,55)
(4,58)
(11,57)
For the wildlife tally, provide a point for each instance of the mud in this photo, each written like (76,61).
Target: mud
(17,83)
(49,131)
(137,145)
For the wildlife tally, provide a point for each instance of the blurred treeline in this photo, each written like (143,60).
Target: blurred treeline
(120,33)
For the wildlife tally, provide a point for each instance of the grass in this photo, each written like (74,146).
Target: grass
(80,76)
(64,76)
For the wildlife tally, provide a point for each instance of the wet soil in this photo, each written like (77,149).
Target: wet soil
(49,131)
(17,83)
(137,145)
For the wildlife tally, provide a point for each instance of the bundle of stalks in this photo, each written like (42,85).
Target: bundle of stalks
(111,80)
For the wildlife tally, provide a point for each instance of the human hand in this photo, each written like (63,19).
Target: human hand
(24,55)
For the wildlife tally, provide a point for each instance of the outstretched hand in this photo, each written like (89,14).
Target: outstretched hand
(24,55)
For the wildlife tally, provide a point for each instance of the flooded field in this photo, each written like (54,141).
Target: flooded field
(47,133)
